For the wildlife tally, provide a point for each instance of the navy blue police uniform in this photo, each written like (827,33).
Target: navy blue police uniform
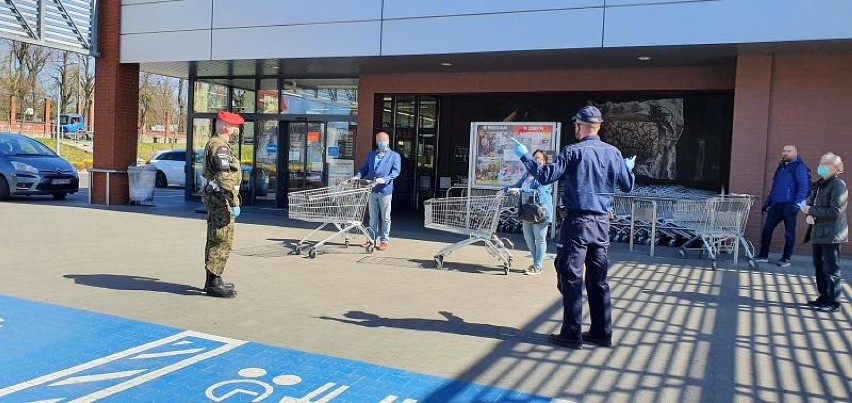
(589,172)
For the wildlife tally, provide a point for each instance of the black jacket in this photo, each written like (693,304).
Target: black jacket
(828,207)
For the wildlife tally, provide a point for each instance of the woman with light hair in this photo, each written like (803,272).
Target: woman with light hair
(826,214)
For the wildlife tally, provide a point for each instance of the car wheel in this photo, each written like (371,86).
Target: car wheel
(161,181)
(4,189)
(60,196)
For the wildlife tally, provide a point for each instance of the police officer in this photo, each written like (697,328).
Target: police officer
(221,196)
(589,172)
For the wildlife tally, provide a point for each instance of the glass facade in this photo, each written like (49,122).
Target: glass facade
(298,134)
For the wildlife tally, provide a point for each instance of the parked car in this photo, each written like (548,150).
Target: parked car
(29,168)
(171,167)
(171,171)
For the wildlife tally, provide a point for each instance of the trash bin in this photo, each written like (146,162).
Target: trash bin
(142,180)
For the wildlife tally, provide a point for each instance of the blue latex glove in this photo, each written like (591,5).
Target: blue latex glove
(630,162)
(235,211)
(520,148)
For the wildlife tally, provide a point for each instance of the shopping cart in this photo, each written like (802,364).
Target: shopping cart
(341,206)
(474,216)
(720,227)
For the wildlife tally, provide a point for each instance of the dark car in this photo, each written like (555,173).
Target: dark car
(29,168)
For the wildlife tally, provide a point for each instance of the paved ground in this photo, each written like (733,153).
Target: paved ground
(683,332)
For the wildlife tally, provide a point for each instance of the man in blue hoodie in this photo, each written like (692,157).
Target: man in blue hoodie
(382,166)
(790,187)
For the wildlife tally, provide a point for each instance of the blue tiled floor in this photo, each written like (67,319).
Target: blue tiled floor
(56,354)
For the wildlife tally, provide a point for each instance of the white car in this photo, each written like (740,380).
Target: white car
(171,171)
(170,167)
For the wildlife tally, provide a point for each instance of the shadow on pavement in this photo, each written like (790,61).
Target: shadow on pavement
(132,283)
(453,324)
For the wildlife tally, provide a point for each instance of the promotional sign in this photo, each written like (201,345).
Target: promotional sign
(493,162)
(340,170)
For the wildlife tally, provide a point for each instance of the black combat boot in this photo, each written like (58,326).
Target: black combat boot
(214,287)
(211,279)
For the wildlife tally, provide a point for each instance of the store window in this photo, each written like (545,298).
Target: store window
(210,98)
(267,96)
(243,101)
(319,97)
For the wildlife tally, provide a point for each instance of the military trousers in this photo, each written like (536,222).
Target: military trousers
(220,233)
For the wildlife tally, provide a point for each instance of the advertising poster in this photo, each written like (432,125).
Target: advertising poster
(340,171)
(493,160)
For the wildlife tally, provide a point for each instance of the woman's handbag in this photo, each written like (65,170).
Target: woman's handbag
(532,211)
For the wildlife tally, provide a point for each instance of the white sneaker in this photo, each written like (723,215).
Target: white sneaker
(532,271)
(761,259)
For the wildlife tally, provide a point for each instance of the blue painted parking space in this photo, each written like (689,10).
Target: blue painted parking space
(56,354)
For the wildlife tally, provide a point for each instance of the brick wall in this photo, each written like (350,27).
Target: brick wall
(117,105)
(788,98)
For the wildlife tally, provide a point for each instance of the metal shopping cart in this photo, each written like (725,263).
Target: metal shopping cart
(474,216)
(720,226)
(341,206)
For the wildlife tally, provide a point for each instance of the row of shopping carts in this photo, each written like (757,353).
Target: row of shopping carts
(711,226)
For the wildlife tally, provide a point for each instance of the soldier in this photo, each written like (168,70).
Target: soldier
(221,196)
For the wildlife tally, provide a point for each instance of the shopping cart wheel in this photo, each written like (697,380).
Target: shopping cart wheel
(346,243)
(439,261)
(682,253)
(506,269)
(752,264)
(312,253)
(370,248)
(713,265)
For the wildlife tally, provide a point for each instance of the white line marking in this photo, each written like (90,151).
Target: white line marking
(167,354)
(230,345)
(182,343)
(95,378)
(50,400)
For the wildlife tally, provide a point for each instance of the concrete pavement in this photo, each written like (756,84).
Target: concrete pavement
(682,331)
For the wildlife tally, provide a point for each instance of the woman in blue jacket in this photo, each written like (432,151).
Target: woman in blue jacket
(535,234)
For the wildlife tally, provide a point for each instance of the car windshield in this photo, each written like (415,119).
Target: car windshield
(22,146)
(63,120)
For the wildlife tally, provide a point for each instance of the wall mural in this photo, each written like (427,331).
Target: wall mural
(648,129)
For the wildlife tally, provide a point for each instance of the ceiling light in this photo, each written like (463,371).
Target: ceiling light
(446,64)
(644,58)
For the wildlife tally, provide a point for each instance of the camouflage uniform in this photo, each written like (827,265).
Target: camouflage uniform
(222,192)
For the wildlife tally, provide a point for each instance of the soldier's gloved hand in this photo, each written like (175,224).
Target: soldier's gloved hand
(630,163)
(520,148)
(235,211)
(380,181)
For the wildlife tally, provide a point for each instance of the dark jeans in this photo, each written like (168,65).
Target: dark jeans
(780,212)
(827,270)
(585,242)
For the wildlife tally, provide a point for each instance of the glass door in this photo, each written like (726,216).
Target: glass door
(266,166)
(404,142)
(427,146)
(305,156)
(202,129)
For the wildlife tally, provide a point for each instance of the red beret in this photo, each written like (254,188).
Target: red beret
(231,118)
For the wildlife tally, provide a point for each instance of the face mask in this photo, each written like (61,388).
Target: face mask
(823,171)
(382,144)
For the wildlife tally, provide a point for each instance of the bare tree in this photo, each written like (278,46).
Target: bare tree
(87,85)
(66,74)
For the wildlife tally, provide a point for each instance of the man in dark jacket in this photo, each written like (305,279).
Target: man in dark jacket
(790,187)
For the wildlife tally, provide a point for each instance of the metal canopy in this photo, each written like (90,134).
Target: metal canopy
(60,24)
